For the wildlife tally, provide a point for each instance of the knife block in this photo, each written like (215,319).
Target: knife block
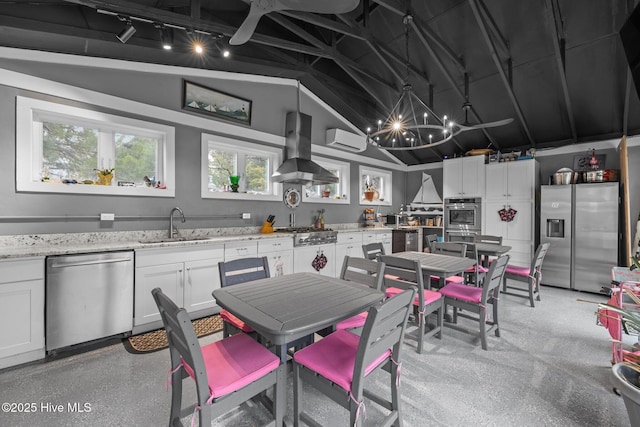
(267,228)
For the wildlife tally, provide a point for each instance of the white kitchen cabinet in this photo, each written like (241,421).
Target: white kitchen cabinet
(511,180)
(21,311)
(304,256)
(463,177)
(240,249)
(512,185)
(187,275)
(348,244)
(279,253)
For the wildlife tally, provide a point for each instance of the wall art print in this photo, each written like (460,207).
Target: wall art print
(218,104)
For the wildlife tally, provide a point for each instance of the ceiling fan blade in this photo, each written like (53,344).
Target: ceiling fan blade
(487,125)
(245,31)
(315,6)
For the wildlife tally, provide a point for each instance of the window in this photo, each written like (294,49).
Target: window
(330,193)
(61,149)
(375,186)
(238,169)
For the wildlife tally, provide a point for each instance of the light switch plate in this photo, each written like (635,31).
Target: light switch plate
(246,215)
(107,217)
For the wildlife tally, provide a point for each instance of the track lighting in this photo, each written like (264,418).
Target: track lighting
(165,37)
(128,31)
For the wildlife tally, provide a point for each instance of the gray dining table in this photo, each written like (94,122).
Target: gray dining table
(485,250)
(285,308)
(439,265)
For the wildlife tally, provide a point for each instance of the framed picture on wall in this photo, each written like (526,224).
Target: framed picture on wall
(212,102)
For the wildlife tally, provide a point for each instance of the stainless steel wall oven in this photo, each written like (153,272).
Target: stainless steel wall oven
(462,216)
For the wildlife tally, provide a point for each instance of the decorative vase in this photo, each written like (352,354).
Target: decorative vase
(234,180)
(326,193)
(105,179)
(368,195)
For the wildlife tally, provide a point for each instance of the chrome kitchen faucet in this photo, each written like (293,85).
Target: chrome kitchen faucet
(173,230)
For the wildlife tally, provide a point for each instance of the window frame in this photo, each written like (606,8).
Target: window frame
(345,182)
(29,115)
(387,186)
(230,144)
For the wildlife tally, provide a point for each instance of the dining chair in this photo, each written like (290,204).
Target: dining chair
(487,238)
(340,364)
(402,274)
(240,271)
(371,250)
(474,275)
(531,276)
(227,372)
(431,239)
(475,300)
(365,272)
(458,249)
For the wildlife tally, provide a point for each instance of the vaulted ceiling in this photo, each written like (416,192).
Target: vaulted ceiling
(557,67)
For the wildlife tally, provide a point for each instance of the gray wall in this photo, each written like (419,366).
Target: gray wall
(270,104)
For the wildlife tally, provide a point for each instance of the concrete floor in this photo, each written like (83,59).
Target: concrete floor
(550,367)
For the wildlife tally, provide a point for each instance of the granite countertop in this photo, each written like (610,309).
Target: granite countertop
(77,243)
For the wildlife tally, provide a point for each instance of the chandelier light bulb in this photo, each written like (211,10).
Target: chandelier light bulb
(396,125)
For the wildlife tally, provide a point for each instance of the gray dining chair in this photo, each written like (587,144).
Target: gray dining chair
(487,238)
(372,250)
(431,239)
(475,300)
(402,274)
(341,365)
(227,372)
(458,249)
(530,276)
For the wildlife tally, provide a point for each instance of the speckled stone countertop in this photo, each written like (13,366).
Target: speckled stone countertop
(27,245)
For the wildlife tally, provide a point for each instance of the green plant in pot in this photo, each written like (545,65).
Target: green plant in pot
(234,180)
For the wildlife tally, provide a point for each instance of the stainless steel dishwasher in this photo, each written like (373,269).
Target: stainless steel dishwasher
(88,296)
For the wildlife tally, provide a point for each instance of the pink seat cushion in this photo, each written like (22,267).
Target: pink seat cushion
(454,279)
(462,292)
(480,268)
(518,271)
(228,317)
(353,322)
(429,295)
(234,362)
(334,357)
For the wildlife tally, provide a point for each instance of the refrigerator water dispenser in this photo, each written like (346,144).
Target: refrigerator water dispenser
(555,228)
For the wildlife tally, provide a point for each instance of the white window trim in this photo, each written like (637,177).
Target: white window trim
(388,186)
(204,169)
(345,182)
(28,155)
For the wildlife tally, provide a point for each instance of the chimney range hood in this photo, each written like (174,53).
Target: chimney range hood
(298,167)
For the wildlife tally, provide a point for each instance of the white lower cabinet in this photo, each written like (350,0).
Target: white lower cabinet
(348,244)
(279,253)
(21,311)
(384,236)
(240,249)
(320,256)
(187,275)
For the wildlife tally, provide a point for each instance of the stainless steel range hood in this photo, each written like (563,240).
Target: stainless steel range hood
(298,167)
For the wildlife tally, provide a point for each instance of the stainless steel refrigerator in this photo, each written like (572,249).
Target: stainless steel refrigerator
(581,224)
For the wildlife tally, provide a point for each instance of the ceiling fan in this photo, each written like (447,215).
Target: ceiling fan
(262,7)
(466,107)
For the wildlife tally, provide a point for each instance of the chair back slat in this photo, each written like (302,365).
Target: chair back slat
(383,330)
(491,285)
(487,238)
(450,248)
(372,250)
(431,239)
(363,271)
(243,270)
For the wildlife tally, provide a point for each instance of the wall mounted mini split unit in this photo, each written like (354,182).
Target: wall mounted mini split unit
(344,140)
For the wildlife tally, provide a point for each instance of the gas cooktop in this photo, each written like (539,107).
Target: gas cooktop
(307,236)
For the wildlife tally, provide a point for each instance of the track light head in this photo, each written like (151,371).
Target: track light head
(127,32)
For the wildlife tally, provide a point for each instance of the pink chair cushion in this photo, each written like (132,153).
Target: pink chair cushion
(518,271)
(462,292)
(429,295)
(334,357)
(228,317)
(234,362)
(353,322)
(454,279)
(480,268)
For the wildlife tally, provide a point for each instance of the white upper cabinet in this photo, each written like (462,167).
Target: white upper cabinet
(463,177)
(511,180)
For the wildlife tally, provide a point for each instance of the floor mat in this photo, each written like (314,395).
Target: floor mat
(157,340)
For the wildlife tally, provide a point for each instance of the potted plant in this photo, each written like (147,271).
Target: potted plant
(105,175)
(234,180)
(369,191)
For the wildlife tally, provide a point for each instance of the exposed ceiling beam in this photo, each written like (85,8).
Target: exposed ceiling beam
(325,23)
(502,41)
(557,36)
(504,77)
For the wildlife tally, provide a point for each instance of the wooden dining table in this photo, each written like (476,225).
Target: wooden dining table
(439,265)
(285,308)
(485,250)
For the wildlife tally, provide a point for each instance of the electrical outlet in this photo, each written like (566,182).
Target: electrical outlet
(107,217)
(246,215)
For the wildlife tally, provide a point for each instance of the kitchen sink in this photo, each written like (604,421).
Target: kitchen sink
(174,239)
